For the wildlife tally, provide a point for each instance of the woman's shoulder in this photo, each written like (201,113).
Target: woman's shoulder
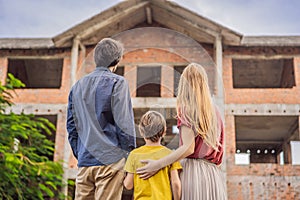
(182,121)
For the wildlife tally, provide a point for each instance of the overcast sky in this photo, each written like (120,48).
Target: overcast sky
(48,18)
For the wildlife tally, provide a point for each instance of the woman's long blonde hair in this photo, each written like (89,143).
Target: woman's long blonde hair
(195,105)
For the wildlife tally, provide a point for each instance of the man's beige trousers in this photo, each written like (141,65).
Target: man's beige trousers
(100,182)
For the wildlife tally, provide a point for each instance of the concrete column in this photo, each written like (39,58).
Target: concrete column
(220,101)
(287,152)
(219,90)
(298,127)
(67,149)
(74,59)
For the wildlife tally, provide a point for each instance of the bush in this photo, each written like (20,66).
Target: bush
(26,172)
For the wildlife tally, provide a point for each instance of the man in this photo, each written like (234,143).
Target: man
(100,124)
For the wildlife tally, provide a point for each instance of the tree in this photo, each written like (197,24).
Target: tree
(25,170)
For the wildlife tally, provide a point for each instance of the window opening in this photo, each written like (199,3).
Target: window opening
(148,81)
(37,73)
(263,73)
(266,139)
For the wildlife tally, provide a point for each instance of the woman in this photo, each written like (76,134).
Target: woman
(201,140)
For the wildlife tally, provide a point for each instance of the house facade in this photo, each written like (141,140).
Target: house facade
(254,80)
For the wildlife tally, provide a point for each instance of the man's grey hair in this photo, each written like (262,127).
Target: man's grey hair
(108,52)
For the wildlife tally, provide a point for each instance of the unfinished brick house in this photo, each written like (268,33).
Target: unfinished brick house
(254,80)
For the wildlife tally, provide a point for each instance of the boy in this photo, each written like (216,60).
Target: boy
(152,127)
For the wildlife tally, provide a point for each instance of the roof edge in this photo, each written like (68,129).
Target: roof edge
(26,43)
(292,41)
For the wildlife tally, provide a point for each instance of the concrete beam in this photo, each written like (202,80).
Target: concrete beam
(258,142)
(38,109)
(262,109)
(153,102)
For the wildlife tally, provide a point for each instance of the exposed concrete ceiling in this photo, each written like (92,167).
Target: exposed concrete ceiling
(265,132)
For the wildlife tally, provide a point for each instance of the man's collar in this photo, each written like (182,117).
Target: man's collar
(102,69)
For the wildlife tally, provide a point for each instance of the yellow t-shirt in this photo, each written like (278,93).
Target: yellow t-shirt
(158,186)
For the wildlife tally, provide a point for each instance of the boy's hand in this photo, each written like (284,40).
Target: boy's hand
(151,168)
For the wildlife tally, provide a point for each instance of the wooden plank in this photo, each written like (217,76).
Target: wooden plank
(99,17)
(231,37)
(149,15)
(113,19)
(116,27)
(180,24)
(96,22)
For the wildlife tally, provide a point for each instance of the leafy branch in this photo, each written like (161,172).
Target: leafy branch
(26,171)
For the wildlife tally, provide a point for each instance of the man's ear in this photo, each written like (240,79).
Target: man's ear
(115,68)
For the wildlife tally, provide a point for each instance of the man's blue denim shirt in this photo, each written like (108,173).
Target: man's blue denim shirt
(100,120)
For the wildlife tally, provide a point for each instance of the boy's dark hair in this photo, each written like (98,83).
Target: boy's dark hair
(152,126)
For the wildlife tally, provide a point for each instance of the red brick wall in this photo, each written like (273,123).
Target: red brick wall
(150,57)
(259,96)
(255,181)
(258,181)
(43,101)
(52,96)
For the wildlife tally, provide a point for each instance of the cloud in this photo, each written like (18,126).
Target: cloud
(251,17)
(33,18)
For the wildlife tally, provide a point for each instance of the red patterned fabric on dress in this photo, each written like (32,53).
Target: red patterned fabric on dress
(202,150)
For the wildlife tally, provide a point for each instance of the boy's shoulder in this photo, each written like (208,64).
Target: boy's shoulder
(147,149)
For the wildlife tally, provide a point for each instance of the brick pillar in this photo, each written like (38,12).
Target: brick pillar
(167,81)
(227,73)
(130,74)
(230,141)
(66,74)
(3,69)
(60,137)
(229,154)
(297,70)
